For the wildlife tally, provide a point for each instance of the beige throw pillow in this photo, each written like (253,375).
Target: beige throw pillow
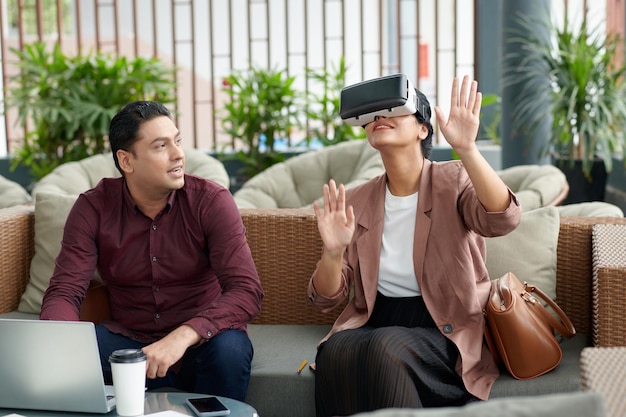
(51,211)
(529,251)
(12,193)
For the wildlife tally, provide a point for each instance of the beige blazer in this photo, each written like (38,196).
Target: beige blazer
(448,256)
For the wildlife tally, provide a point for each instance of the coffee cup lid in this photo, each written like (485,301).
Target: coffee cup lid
(127,356)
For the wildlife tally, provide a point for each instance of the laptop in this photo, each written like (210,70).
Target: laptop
(52,366)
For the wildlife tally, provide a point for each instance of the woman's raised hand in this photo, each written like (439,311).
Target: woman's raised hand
(335,222)
(461,128)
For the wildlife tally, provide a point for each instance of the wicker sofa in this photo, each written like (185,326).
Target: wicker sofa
(286,246)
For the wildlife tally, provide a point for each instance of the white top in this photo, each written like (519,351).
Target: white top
(396,274)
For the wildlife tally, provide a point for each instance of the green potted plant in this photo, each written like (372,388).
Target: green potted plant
(66,103)
(490,123)
(322,107)
(262,109)
(586,99)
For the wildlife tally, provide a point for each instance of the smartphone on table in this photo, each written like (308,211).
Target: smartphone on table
(207,407)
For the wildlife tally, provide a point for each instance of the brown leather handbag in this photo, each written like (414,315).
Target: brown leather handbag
(520,330)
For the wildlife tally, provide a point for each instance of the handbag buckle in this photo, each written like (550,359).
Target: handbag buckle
(526,296)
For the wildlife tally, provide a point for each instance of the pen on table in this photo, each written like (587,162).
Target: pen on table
(302,365)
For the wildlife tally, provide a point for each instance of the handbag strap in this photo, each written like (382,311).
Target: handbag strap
(564,326)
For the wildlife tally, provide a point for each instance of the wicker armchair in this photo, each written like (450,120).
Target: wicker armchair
(284,243)
(286,246)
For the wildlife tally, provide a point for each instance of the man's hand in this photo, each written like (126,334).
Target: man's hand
(164,353)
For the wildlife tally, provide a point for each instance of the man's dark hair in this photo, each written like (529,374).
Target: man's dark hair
(124,126)
(427,143)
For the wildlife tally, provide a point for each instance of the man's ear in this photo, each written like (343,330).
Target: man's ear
(124,158)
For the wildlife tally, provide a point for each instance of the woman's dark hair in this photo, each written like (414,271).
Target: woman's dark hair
(427,143)
(125,125)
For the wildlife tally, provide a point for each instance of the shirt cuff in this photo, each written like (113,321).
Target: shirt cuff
(203,326)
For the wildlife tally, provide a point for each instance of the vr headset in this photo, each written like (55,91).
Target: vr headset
(388,96)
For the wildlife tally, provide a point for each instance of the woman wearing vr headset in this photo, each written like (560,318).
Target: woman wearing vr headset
(410,247)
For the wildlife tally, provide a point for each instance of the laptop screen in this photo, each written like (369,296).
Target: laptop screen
(51,365)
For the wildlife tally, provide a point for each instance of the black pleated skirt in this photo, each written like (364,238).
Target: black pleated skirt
(398,359)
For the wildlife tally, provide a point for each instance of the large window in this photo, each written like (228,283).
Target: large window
(430,40)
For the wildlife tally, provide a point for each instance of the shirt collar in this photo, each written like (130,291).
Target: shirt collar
(130,201)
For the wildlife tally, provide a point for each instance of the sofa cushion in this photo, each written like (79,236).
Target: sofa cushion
(536,185)
(51,210)
(591,208)
(298,181)
(76,177)
(529,251)
(553,405)
(280,349)
(12,193)
(564,378)
(278,352)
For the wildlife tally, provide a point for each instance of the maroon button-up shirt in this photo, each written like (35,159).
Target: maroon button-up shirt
(190,265)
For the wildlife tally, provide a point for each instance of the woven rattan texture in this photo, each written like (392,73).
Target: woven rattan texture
(17,233)
(574,268)
(286,246)
(609,284)
(602,371)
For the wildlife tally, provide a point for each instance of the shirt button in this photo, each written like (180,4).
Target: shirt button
(157,289)
(154,227)
(447,329)
(157,315)
(209,334)
(154,258)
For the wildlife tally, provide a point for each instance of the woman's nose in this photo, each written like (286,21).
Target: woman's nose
(379,117)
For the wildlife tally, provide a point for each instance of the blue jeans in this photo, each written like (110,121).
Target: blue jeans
(220,366)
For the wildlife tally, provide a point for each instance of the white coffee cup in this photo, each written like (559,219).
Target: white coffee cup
(128,367)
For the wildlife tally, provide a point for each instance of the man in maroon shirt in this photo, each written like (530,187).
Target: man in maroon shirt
(172,250)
